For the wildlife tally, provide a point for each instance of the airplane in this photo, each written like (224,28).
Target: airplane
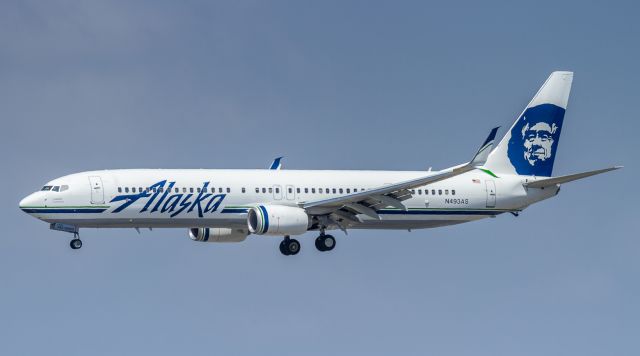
(228,205)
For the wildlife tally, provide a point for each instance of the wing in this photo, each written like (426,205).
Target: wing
(343,210)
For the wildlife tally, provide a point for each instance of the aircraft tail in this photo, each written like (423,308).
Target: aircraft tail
(531,144)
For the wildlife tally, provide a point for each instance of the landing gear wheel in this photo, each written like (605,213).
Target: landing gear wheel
(293,246)
(283,248)
(289,246)
(325,243)
(75,243)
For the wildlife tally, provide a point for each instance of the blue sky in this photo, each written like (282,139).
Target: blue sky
(329,85)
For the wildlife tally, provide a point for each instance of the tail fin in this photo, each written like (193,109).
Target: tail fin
(530,146)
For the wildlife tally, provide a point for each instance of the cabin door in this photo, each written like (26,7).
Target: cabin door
(97,191)
(491,193)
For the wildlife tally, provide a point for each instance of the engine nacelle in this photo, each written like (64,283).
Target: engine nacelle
(277,220)
(217,234)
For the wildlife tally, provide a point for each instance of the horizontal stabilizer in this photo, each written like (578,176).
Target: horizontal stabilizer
(547,182)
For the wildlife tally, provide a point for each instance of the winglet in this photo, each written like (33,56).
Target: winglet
(483,153)
(276,164)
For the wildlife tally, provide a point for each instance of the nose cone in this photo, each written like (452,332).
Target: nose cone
(31,201)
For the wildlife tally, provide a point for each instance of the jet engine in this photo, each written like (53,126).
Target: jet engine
(277,220)
(217,234)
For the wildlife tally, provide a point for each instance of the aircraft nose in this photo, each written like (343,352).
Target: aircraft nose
(30,200)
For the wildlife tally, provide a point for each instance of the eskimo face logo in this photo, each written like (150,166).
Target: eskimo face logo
(534,140)
(538,141)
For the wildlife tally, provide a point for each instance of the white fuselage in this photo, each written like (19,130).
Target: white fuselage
(220,198)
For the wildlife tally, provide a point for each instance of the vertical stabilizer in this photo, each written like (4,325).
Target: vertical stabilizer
(531,144)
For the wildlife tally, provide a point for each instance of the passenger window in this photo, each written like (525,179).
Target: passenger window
(177,190)
(306,190)
(228,190)
(243,190)
(426,192)
(190,190)
(220,190)
(119,189)
(126,189)
(439,191)
(184,189)
(298,190)
(278,190)
(446,192)
(257,190)
(140,189)
(340,190)
(334,190)
(413,191)
(198,189)
(264,190)
(270,190)
(433,192)
(355,190)
(348,190)
(320,190)
(419,191)
(453,192)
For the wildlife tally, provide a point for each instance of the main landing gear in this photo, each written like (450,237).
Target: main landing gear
(289,246)
(325,242)
(76,243)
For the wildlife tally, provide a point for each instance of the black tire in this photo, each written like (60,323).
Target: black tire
(328,243)
(283,248)
(320,243)
(293,247)
(75,244)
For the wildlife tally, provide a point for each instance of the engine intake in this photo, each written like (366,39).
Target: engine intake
(217,234)
(277,220)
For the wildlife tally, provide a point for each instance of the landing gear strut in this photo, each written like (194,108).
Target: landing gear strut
(76,243)
(325,242)
(289,246)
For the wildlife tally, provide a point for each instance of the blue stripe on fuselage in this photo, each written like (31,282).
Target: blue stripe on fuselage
(63,211)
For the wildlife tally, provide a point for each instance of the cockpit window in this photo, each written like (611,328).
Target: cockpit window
(56,188)
(46,188)
(64,187)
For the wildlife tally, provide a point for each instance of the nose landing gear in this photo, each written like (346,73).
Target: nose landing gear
(76,243)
